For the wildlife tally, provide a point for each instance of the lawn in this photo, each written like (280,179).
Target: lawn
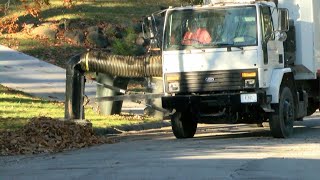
(116,12)
(17,108)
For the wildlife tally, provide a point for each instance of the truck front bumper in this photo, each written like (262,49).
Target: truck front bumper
(183,102)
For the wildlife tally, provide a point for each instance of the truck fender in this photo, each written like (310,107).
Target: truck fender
(275,83)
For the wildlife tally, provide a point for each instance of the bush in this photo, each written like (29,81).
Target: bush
(126,46)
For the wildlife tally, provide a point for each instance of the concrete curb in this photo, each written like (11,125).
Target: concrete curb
(138,127)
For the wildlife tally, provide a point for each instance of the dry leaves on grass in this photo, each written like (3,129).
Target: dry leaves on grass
(9,25)
(48,135)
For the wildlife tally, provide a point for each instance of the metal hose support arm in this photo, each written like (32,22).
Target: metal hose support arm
(122,66)
(75,84)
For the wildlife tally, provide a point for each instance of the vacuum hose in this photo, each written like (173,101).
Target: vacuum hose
(123,66)
(112,65)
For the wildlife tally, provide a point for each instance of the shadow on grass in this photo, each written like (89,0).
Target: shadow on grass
(59,55)
(25,101)
(5,90)
(115,12)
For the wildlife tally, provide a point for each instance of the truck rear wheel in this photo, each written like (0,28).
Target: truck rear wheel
(281,121)
(183,126)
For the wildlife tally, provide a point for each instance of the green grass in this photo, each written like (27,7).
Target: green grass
(17,108)
(118,12)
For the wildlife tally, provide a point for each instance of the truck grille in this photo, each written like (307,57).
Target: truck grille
(211,81)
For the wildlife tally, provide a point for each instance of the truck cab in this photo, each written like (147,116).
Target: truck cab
(244,73)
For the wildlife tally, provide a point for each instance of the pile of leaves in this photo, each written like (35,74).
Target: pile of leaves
(48,135)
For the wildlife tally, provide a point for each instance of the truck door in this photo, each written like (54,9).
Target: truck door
(272,49)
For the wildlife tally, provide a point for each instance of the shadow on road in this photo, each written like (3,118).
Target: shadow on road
(305,129)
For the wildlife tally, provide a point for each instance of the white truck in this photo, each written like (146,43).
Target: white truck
(261,65)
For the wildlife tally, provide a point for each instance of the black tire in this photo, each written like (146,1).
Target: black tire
(183,126)
(281,121)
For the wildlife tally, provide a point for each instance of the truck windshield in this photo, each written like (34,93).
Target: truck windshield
(211,28)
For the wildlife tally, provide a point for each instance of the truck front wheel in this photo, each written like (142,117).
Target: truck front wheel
(183,126)
(281,121)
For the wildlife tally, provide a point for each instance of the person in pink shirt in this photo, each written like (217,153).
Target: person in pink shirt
(196,35)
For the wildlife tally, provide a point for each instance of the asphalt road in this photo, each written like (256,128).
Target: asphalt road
(217,152)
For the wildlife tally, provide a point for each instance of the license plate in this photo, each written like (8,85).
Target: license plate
(249,98)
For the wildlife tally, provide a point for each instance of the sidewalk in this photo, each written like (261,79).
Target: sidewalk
(38,78)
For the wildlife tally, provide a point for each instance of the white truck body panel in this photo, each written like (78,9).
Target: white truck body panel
(227,1)
(305,14)
(275,84)
(212,59)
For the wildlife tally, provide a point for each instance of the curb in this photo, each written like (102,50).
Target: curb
(126,128)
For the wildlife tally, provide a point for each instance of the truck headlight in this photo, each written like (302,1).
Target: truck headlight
(174,86)
(249,83)
(173,82)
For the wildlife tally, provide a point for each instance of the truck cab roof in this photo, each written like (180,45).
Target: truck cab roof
(226,4)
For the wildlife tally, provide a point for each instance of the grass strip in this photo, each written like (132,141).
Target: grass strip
(17,108)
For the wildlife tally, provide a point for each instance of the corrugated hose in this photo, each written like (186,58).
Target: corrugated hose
(122,66)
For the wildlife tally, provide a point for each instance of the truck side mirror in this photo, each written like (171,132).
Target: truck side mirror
(283,21)
(146,28)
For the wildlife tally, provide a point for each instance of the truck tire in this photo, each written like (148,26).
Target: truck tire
(183,126)
(281,121)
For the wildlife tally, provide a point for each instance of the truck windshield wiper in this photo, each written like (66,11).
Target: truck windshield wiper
(196,46)
(228,45)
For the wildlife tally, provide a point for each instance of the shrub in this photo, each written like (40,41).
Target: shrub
(126,46)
